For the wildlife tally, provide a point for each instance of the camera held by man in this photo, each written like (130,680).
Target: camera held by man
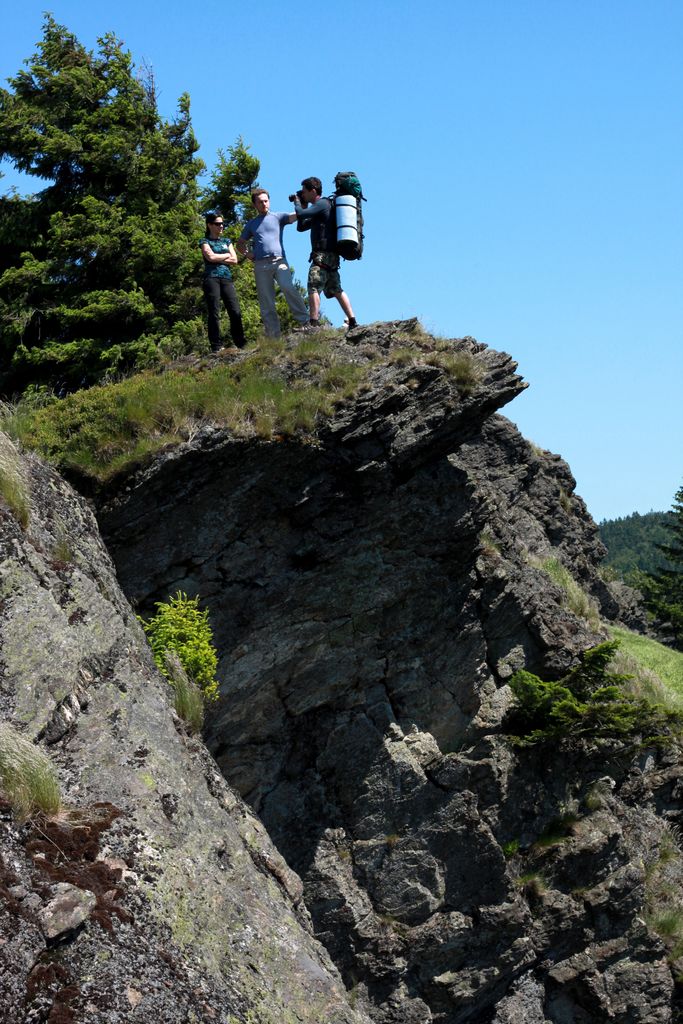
(300,196)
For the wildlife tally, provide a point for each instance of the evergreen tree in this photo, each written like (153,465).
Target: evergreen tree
(97,268)
(663,589)
(589,703)
(230,184)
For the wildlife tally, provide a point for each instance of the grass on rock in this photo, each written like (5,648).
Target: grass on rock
(576,599)
(13,485)
(27,777)
(106,429)
(657,670)
(273,390)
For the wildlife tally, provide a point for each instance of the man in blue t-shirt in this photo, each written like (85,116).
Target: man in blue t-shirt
(270,262)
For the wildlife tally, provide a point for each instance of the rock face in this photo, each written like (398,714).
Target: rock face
(156,894)
(371,591)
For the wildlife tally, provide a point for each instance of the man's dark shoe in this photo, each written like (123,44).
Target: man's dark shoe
(352,322)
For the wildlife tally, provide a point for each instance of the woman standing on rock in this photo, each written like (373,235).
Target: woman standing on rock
(219,255)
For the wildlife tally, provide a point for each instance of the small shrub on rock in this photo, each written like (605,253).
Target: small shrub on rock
(588,703)
(180,626)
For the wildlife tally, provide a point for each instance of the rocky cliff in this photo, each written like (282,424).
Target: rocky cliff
(155,895)
(372,588)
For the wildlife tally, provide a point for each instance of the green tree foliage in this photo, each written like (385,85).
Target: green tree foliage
(663,589)
(230,184)
(180,626)
(98,266)
(588,703)
(632,543)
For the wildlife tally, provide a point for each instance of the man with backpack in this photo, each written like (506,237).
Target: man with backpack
(318,217)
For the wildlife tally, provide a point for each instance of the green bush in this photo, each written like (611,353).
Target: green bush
(589,703)
(180,626)
(27,777)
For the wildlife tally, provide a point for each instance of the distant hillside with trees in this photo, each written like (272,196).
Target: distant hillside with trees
(663,588)
(631,542)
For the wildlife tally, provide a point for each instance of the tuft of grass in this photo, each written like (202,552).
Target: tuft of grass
(461,366)
(489,545)
(555,833)
(595,797)
(510,849)
(13,486)
(403,356)
(663,908)
(576,599)
(533,885)
(188,698)
(565,500)
(27,777)
(668,923)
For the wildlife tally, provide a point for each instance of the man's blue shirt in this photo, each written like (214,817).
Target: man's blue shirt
(266,230)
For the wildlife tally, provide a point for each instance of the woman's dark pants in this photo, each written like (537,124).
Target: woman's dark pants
(215,289)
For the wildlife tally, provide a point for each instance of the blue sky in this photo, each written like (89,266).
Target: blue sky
(523,163)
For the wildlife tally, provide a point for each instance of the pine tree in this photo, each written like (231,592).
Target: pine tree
(102,264)
(663,589)
(230,184)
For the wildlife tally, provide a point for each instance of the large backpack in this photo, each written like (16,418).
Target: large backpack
(347,230)
(344,229)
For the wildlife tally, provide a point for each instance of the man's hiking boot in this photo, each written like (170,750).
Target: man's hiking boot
(350,323)
(312,325)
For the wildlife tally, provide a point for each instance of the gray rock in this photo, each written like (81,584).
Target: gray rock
(68,908)
(371,595)
(162,892)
